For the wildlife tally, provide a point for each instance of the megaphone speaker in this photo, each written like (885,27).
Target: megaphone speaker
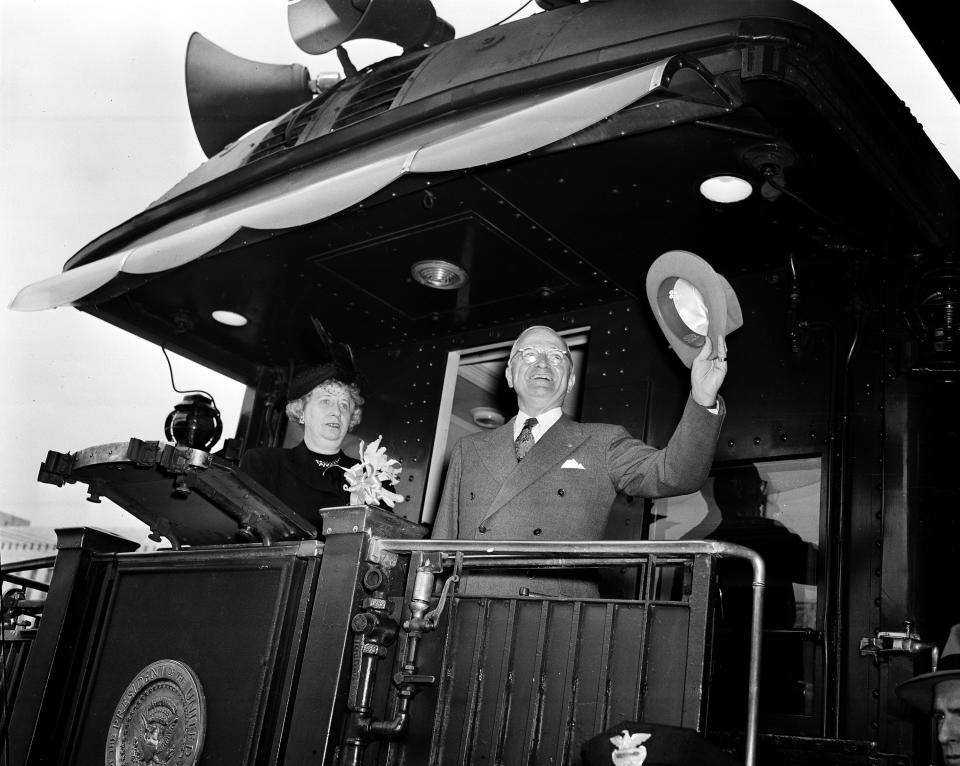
(319,26)
(229,95)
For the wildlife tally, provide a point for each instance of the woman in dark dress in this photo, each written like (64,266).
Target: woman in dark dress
(326,401)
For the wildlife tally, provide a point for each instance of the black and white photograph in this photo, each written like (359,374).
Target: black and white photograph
(500,383)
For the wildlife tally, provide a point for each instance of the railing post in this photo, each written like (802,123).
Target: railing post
(45,691)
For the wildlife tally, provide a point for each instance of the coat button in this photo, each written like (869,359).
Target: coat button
(538,531)
(482,529)
(561,492)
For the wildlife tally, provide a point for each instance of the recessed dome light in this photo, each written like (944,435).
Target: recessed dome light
(726,189)
(487,417)
(440,275)
(230,318)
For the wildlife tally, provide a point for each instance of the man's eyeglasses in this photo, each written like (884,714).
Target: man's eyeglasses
(531,355)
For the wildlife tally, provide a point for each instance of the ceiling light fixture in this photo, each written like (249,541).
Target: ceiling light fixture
(229,318)
(770,161)
(726,189)
(440,275)
(487,417)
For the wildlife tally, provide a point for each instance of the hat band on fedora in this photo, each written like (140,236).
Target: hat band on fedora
(949,662)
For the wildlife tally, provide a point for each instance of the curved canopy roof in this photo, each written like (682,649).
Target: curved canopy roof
(552,161)
(492,133)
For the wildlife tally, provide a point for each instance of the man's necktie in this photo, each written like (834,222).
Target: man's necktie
(525,438)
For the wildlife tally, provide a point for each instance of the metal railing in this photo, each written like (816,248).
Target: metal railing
(8,572)
(553,554)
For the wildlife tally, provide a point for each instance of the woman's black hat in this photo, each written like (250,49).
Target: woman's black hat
(309,378)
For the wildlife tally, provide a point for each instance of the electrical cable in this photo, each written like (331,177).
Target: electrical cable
(849,230)
(173,384)
(504,21)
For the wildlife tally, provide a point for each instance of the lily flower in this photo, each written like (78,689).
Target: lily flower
(365,480)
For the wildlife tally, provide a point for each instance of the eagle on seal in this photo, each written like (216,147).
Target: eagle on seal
(155,737)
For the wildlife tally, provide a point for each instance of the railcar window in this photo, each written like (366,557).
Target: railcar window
(773,507)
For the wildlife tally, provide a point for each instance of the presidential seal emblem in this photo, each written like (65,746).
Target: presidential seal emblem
(160,719)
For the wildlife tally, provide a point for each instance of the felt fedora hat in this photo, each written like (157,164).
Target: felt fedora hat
(918,691)
(691,302)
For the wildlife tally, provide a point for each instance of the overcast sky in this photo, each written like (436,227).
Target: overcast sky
(94,125)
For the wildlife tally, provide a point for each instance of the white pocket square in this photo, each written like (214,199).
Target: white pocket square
(571,463)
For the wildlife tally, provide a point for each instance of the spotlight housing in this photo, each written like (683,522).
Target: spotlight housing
(439,274)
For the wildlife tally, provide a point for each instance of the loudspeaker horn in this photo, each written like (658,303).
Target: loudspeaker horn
(229,95)
(320,26)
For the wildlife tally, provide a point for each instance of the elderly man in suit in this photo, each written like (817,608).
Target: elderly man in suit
(544,476)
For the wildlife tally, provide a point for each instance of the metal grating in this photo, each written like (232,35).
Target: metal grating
(378,90)
(375,94)
(287,132)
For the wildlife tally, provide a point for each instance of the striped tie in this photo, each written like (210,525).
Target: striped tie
(525,438)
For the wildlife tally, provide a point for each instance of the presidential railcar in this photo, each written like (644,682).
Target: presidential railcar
(414,217)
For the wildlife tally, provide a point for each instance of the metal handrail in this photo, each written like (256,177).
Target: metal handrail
(43,562)
(638,550)
(29,565)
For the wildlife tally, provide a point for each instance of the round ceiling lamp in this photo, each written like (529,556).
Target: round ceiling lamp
(229,318)
(487,417)
(726,189)
(439,274)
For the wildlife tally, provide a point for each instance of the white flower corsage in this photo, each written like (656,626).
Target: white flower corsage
(365,479)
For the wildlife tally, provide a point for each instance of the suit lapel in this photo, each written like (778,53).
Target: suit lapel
(497,452)
(556,445)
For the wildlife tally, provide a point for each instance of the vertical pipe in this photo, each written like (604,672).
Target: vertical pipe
(756,636)
(842,519)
